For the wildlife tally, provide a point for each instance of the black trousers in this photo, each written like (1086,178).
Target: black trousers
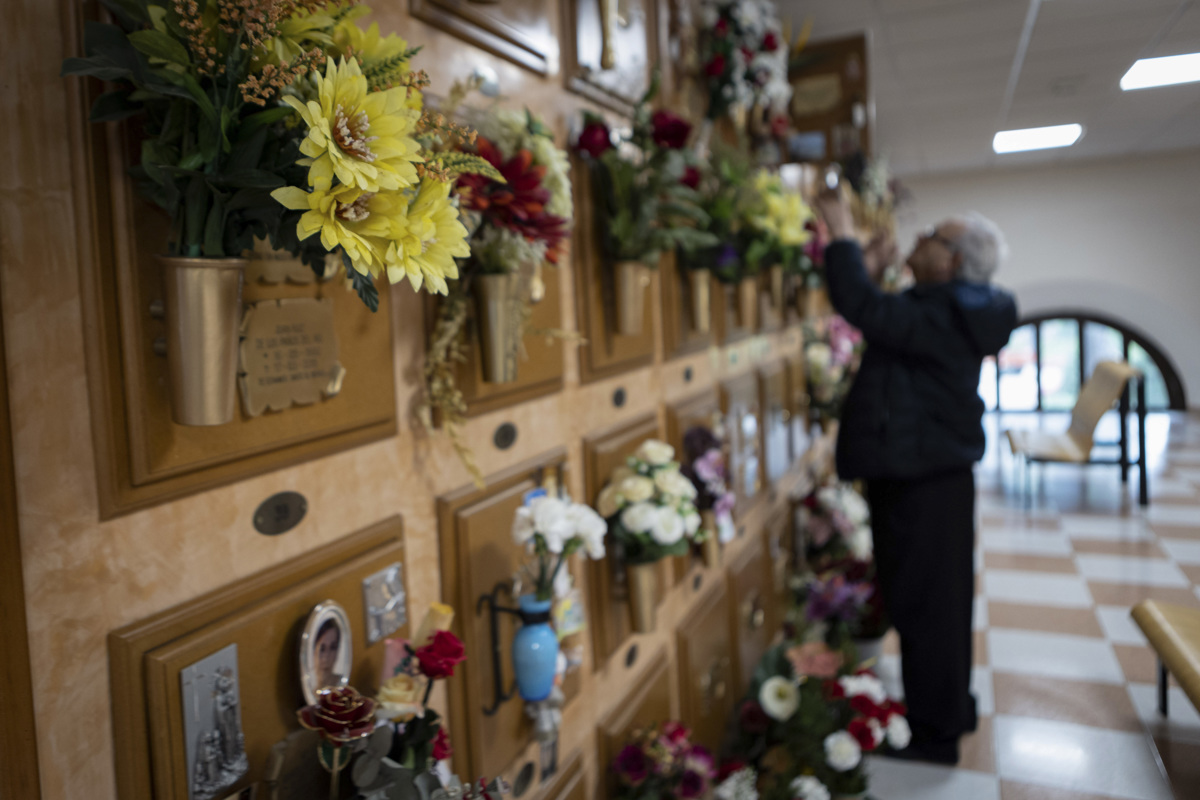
(924,533)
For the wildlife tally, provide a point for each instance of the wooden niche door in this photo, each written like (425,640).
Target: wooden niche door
(707,691)
(797,404)
(479,558)
(610,611)
(750,621)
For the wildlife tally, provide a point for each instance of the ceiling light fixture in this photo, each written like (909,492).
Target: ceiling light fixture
(1036,138)
(1147,73)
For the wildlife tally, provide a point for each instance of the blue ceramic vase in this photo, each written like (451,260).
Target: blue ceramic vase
(535,650)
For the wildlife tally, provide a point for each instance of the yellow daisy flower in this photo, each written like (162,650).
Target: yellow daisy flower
(434,238)
(340,216)
(362,138)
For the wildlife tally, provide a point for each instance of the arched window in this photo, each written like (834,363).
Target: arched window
(1048,357)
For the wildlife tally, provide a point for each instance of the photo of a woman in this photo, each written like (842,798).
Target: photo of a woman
(326,652)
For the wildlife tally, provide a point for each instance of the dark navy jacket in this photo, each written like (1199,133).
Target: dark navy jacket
(914,409)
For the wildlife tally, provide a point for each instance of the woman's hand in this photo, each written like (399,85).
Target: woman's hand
(880,253)
(836,213)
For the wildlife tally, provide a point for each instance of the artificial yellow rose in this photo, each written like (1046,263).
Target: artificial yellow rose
(636,489)
(401,695)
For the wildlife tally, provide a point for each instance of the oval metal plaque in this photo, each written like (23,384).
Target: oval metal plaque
(279,513)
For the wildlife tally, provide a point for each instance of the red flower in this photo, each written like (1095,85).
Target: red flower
(675,732)
(691,178)
(865,706)
(834,690)
(339,715)
(715,67)
(670,130)
(439,658)
(595,139)
(861,731)
(519,204)
(748,54)
(752,719)
(722,27)
(441,745)
(728,768)
(779,125)
(770,42)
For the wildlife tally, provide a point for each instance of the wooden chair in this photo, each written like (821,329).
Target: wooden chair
(1174,634)
(1109,384)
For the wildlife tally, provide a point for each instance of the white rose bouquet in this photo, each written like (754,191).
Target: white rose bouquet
(650,506)
(553,530)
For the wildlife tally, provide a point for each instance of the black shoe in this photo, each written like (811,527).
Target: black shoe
(972,722)
(940,752)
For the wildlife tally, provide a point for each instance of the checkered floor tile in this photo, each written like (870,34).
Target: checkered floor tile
(1064,679)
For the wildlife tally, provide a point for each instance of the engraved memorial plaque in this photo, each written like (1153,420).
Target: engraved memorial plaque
(289,354)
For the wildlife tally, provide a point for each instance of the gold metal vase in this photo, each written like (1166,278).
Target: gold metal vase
(700,283)
(710,548)
(747,307)
(775,281)
(204,315)
(643,595)
(632,278)
(497,322)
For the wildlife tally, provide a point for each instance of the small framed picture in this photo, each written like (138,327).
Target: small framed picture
(326,651)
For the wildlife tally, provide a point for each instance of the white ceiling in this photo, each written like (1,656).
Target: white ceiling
(948,74)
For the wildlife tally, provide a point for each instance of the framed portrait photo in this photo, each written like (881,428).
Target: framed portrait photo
(326,651)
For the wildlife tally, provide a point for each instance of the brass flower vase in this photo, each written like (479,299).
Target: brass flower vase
(203,305)
(642,580)
(710,548)
(747,307)
(632,278)
(497,322)
(816,303)
(700,285)
(775,282)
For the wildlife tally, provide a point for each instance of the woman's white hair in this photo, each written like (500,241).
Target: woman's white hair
(982,247)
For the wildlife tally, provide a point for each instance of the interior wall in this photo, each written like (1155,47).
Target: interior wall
(1118,237)
(84,578)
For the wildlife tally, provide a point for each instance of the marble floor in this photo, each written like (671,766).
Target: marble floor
(1064,679)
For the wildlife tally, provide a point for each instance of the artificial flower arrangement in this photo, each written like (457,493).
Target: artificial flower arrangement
(836,521)
(704,465)
(419,738)
(832,353)
(775,231)
(809,719)
(552,530)
(840,605)
(774,223)
(287,121)
(519,220)
(651,513)
(744,58)
(280,121)
(644,205)
(661,763)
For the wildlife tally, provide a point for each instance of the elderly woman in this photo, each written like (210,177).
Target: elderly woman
(912,428)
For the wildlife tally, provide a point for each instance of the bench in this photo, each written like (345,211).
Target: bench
(1174,634)
(1108,385)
